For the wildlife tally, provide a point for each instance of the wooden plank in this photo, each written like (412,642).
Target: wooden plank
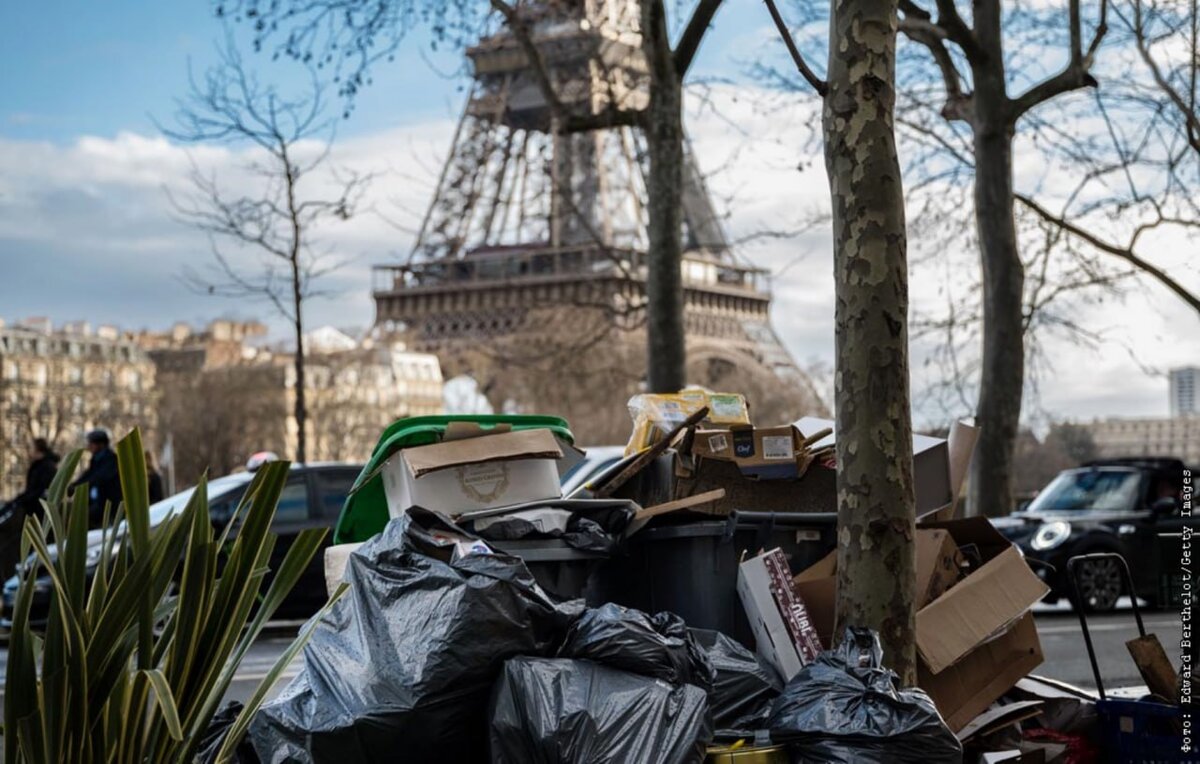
(647,456)
(684,503)
(1155,667)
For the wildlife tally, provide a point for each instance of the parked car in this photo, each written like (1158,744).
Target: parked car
(596,461)
(311,498)
(1130,506)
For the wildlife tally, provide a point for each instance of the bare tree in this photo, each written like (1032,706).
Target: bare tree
(217,417)
(876,509)
(263,240)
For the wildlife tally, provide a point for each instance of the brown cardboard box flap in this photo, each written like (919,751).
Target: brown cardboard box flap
(939,564)
(506,446)
(823,568)
(977,608)
(966,689)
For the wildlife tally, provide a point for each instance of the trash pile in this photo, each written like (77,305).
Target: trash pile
(677,607)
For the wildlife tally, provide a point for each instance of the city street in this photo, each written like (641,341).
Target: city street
(1062,643)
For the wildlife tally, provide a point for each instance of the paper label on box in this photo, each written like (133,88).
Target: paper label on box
(778,447)
(725,406)
(484,482)
(717,443)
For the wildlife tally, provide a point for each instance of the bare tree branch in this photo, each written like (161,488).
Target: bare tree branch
(689,41)
(818,84)
(1124,252)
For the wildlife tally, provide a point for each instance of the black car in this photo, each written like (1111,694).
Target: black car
(311,498)
(1128,506)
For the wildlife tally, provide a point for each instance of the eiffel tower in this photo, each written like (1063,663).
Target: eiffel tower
(532,255)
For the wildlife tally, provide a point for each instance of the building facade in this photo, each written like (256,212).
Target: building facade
(59,383)
(1185,391)
(1177,436)
(227,393)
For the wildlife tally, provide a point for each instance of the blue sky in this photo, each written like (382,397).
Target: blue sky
(73,67)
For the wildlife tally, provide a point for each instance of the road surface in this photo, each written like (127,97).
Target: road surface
(1062,644)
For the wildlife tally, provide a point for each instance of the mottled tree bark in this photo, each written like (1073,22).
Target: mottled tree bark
(876,514)
(666,358)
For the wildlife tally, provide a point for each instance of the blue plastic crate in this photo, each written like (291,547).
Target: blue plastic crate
(1142,732)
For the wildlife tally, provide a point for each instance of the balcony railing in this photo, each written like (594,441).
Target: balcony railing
(543,265)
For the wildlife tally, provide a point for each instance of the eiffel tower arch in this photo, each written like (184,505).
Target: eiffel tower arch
(529,268)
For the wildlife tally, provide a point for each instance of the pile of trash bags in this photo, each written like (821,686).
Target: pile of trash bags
(845,708)
(444,649)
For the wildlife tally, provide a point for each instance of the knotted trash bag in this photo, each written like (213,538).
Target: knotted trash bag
(577,711)
(845,708)
(744,685)
(401,668)
(658,646)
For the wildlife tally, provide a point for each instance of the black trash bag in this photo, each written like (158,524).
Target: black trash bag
(658,646)
(589,525)
(402,666)
(744,684)
(844,708)
(579,712)
(214,737)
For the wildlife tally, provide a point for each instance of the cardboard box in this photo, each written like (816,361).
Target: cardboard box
(467,473)
(964,690)
(760,453)
(977,638)
(784,633)
(939,566)
(936,480)
(816,491)
(336,558)
(817,587)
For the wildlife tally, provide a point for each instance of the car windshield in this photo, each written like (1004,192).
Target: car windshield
(1111,490)
(216,488)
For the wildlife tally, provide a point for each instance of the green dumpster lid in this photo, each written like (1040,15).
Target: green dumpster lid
(365,512)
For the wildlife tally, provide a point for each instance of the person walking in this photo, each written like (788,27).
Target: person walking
(43,463)
(154,482)
(102,478)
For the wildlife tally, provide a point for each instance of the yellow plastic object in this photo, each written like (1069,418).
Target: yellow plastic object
(654,415)
(740,753)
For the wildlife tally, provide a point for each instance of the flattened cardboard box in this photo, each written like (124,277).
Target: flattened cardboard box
(472,473)
(977,638)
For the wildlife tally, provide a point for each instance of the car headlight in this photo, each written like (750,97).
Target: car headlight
(1050,535)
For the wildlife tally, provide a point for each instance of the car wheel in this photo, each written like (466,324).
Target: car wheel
(1099,583)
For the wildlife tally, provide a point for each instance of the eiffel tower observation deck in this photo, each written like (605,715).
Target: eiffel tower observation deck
(532,254)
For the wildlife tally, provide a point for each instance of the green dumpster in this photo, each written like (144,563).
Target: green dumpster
(365,512)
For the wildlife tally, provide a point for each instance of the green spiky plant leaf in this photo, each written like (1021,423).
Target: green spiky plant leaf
(134,660)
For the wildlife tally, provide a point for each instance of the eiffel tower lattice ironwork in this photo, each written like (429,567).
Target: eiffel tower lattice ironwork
(536,234)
